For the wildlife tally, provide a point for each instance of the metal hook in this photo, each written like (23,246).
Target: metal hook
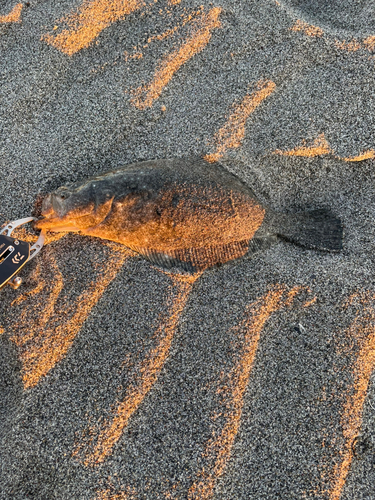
(9,228)
(36,248)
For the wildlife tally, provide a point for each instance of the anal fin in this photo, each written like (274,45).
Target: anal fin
(194,260)
(165,260)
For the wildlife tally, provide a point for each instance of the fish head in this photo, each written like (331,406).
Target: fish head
(74,208)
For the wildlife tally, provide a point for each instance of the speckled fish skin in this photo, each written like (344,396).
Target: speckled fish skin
(185,213)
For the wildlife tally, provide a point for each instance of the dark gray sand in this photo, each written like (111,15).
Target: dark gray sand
(253,382)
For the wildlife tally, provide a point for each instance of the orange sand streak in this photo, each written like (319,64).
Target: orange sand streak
(162,36)
(174,2)
(14,15)
(150,370)
(308,29)
(86,25)
(319,147)
(362,328)
(146,95)
(166,34)
(366,155)
(136,55)
(232,134)
(108,495)
(370,43)
(40,286)
(351,46)
(56,286)
(51,343)
(219,448)
(310,302)
(170,32)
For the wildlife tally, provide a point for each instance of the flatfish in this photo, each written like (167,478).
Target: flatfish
(184,214)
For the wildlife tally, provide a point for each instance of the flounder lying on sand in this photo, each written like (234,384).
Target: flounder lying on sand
(182,213)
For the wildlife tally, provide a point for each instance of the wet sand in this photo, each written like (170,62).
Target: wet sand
(253,380)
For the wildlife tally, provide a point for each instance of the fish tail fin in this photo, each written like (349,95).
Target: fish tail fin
(318,229)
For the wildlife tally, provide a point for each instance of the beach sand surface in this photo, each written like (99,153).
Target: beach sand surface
(254,380)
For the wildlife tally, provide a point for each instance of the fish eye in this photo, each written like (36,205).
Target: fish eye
(63,194)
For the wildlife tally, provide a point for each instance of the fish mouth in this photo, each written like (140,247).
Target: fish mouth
(60,216)
(51,208)
(54,224)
